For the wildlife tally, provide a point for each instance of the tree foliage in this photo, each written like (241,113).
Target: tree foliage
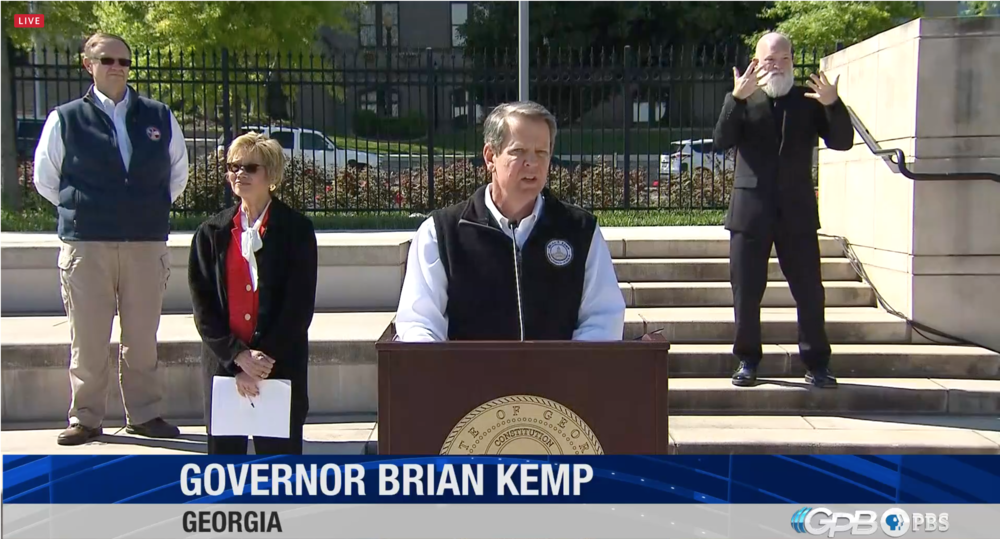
(286,26)
(981,9)
(823,25)
(65,22)
(176,46)
(277,26)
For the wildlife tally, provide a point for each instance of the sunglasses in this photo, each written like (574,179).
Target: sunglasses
(250,168)
(107,61)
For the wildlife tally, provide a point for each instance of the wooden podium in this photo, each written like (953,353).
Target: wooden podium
(544,397)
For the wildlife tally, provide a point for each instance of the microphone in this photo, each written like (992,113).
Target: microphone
(517,275)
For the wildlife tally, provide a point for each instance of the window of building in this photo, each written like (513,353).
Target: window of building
(459,16)
(370,101)
(373,30)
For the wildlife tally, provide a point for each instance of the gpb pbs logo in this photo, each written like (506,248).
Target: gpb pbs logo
(894,522)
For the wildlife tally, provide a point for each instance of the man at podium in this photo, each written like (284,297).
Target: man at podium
(512,262)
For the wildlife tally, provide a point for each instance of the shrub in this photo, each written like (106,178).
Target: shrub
(598,187)
(368,124)
(453,183)
(305,187)
(31,200)
(206,186)
(692,190)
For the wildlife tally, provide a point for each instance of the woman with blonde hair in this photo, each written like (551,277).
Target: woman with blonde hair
(252,274)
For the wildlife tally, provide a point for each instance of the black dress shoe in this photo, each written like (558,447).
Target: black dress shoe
(745,375)
(78,434)
(821,378)
(154,428)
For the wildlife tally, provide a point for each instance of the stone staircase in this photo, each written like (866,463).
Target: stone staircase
(897,394)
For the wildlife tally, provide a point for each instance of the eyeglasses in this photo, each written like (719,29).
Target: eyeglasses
(107,61)
(250,168)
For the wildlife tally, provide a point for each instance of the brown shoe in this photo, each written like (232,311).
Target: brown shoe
(78,434)
(154,428)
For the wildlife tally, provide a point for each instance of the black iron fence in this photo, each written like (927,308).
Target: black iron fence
(397,130)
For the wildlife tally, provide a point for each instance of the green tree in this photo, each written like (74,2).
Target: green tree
(263,38)
(981,9)
(183,25)
(176,45)
(64,22)
(288,27)
(823,25)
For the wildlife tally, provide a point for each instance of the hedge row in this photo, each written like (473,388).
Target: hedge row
(311,189)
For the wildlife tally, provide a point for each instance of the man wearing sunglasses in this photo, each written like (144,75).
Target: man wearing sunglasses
(112,162)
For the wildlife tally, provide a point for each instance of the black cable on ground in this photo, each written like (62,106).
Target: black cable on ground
(920,329)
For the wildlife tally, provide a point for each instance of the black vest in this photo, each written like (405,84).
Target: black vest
(478,259)
(98,199)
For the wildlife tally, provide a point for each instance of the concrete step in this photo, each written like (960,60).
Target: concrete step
(35,354)
(684,242)
(720,294)
(849,360)
(648,270)
(357,271)
(861,434)
(699,396)
(343,374)
(693,325)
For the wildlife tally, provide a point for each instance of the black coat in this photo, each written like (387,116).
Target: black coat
(774,160)
(287,266)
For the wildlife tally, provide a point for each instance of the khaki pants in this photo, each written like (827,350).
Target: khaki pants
(100,279)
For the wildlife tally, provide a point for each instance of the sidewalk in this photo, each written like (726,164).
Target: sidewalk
(692,435)
(324,436)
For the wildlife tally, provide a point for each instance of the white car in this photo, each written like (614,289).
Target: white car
(314,147)
(691,155)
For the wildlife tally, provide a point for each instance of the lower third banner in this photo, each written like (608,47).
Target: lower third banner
(146,496)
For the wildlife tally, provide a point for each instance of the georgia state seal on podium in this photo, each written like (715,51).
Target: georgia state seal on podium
(521,425)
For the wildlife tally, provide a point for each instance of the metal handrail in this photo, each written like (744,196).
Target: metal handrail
(896,160)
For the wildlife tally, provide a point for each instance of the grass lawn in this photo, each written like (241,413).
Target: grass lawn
(39,221)
(569,141)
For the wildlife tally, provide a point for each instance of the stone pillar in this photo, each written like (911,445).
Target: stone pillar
(931,248)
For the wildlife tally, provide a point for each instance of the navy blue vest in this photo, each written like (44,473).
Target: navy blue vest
(99,200)
(478,259)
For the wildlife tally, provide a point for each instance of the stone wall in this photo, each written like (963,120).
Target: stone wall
(932,248)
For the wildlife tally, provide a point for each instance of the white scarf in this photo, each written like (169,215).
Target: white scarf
(251,242)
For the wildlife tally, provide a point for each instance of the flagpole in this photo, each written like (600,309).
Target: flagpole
(523,51)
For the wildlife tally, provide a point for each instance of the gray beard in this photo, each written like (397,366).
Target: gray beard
(778,86)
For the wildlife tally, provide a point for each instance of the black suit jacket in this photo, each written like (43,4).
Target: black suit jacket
(773,183)
(287,266)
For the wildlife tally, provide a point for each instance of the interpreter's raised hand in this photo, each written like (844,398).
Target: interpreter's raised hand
(744,85)
(255,363)
(822,90)
(246,385)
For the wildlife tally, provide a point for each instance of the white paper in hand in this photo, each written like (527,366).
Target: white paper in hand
(268,414)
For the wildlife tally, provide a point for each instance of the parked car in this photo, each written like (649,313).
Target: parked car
(314,147)
(691,155)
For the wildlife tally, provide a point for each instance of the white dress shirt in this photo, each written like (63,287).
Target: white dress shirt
(422,317)
(50,151)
